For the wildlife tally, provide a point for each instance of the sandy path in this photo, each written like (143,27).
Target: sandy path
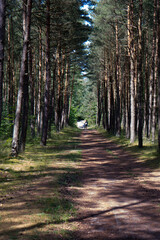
(114,204)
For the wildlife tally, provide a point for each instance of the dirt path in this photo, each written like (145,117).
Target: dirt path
(119,199)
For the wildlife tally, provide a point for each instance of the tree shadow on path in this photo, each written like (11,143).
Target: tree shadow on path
(114,203)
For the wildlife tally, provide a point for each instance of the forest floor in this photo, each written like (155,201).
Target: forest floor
(89,188)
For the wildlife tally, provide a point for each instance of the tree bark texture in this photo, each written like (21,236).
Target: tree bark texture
(105,90)
(117,81)
(48,79)
(66,92)
(132,85)
(140,73)
(26,22)
(112,103)
(10,73)
(154,65)
(99,102)
(39,83)
(158,31)
(126,97)
(2,39)
(32,87)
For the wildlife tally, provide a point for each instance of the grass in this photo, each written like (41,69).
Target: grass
(61,147)
(57,209)
(148,154)
(58,162)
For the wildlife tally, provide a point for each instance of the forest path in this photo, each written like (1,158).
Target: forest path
(119,198)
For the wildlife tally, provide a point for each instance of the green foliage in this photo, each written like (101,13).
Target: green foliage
(72,117)
(85,100)
(6,125)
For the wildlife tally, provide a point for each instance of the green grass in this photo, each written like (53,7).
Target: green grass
(30,165)
(57,209)
(74,156)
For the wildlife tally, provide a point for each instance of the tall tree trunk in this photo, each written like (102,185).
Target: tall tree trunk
(9,70)
(155,62)
(103,97)
(117,78)
(59,88)
(43,83)
(136,79)
(109,103)
(127,73)
(63,70)
(26,22)
(99,102)
(105,90)
(2,38)
(112,105)
(32,86)
(152,76)
(158,32)
(103,94)
(146,92)
(12,65)
(132,87)
(25,106)
(71,93)
(25,98)
(52,100)
(48,80)
(126,96)
(39,84)
(140,73)
(66,92)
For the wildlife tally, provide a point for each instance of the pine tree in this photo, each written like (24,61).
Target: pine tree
(48,78)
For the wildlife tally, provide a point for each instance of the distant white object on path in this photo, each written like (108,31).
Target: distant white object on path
(81,124)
